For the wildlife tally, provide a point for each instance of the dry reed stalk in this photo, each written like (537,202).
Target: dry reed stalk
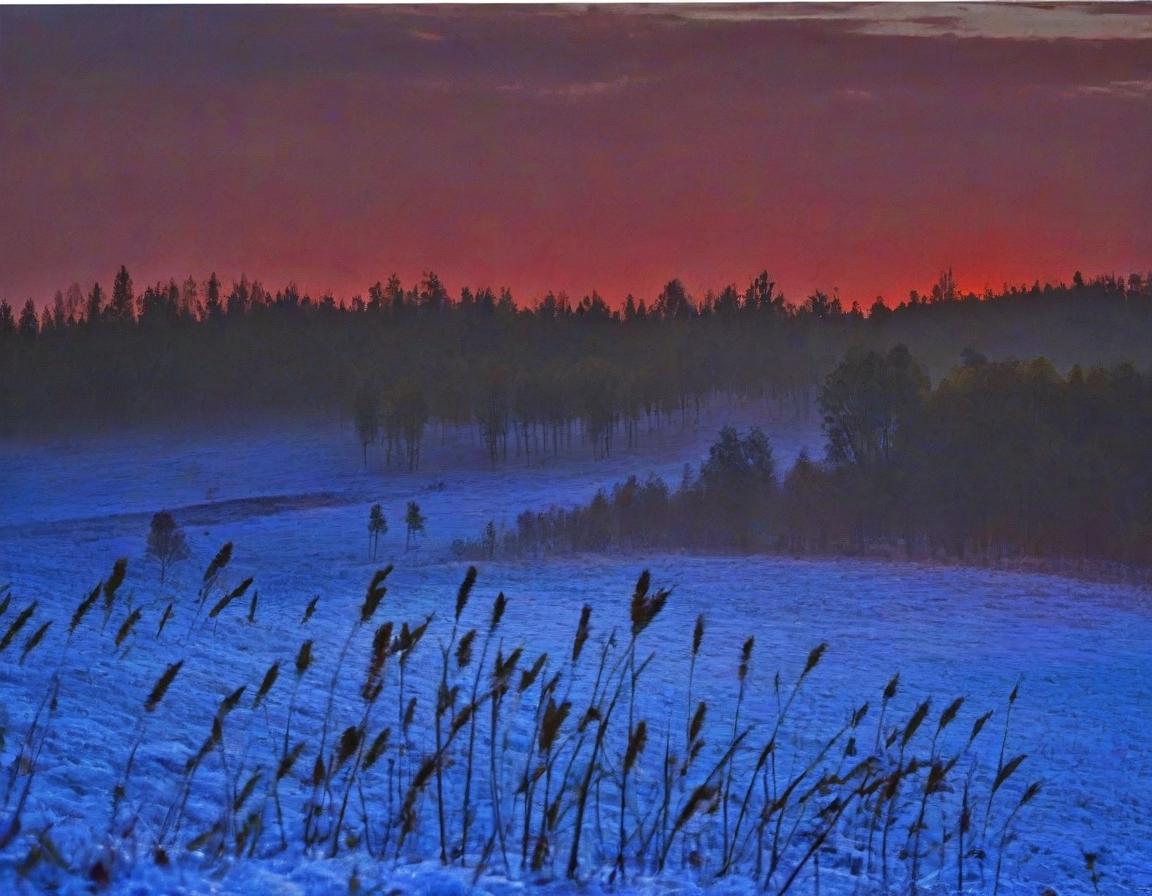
(499,605)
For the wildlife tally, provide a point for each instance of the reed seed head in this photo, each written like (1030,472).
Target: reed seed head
(464,649)
(303,658)
(582,630)
(162,684)
(266,685)
(636,743)
(498,607)
(222,559)
(465,591)
(375,594)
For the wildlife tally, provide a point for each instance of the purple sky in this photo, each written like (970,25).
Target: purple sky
(860,147)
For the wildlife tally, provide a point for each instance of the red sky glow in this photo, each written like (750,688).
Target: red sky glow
(859,147)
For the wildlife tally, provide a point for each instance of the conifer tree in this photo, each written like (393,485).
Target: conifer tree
(414,520)
(122,307)
(377,526)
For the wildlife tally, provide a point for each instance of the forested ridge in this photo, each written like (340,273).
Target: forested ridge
(526,376)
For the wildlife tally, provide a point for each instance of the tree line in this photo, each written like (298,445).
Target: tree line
(1000,460)
(526,379)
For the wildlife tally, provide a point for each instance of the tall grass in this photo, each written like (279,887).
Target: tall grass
(507,753)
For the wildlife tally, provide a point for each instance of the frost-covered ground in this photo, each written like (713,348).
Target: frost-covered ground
(294,501)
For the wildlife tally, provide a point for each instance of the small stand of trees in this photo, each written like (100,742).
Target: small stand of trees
(999,461)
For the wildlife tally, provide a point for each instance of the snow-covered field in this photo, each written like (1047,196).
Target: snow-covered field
(294,501)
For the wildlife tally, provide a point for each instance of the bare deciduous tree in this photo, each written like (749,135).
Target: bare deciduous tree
(166,542)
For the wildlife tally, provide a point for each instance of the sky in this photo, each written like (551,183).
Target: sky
(862,148)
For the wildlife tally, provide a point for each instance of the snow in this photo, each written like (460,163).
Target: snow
(294,500)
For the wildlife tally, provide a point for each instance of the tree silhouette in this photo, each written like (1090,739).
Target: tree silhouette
(674,301)
(7,319)
(28,326)
(865,402)
(546,377)
(1003,459)
(95,303)
(212,306)
(377,526)
(122,307)
(166,542)
(367,419)
(414,520)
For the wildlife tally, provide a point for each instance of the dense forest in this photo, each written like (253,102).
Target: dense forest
(1001,460)
(530,379)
